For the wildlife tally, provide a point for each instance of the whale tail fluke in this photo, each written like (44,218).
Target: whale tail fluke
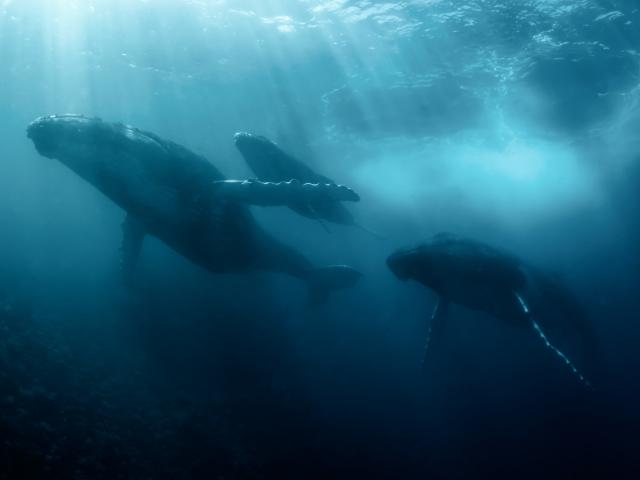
(323,281)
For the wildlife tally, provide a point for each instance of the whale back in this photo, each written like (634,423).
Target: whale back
(455,256)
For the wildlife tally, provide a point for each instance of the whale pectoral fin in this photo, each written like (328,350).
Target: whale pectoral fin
(267,194)
(132,236)
(527,313)
(435,329)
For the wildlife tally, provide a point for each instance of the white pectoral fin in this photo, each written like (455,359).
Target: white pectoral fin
(256,192)
(527,312)
(132,237)
(329,192)
(435,329)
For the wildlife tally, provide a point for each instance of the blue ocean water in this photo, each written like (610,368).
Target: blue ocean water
(512,123)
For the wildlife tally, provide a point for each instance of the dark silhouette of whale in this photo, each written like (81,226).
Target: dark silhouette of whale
(182,199)
(480,277)
(270,163)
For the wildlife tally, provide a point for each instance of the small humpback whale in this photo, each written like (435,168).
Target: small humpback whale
(480,277)
(270,163)
(182,199)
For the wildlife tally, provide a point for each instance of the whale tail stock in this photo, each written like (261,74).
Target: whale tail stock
(322,281)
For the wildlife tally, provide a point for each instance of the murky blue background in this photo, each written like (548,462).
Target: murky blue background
(515,123)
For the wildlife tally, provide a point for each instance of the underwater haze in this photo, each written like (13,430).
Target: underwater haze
(513,123)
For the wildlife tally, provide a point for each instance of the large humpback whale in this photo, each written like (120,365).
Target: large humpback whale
(480,277)
(179,197)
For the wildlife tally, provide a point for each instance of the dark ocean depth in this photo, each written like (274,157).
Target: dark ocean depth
(513,123)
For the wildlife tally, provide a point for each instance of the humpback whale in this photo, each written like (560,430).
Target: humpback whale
(480,277)
(270,163)
(182,199)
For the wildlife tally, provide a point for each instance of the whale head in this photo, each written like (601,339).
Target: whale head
(262,155)
(420,264)
(54,136)
(111,156)
(401,263)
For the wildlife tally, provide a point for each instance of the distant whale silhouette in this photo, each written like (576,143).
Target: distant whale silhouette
(480,277)
(270,163)
(182,199)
